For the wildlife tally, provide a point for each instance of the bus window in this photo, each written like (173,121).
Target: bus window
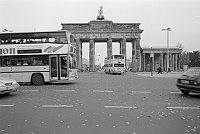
(43,37)
(39,60)
(35,60)
(71,39)
(59,37)
(63,40)
(63,66)
(54,67)
(6,61)
(72,62)
(25,62)
(51,40)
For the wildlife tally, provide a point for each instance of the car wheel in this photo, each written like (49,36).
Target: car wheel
(38,79)
(185,91)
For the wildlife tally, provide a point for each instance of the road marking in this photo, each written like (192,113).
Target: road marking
(142,92)
(57,106)
(30,90)
(174,92)
(102,91)
(184,107)
(6,105)
(129,107)
(65,90)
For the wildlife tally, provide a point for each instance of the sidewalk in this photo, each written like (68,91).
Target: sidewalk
(164,74)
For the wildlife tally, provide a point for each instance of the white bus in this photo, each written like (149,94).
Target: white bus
(38,57)
(114,64)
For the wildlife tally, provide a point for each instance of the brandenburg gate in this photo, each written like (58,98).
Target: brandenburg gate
(102,30)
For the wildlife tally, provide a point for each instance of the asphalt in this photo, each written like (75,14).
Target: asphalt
(164,74)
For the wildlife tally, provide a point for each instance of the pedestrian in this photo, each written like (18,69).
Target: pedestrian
(159,69)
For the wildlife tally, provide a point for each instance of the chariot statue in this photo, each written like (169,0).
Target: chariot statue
(100,16)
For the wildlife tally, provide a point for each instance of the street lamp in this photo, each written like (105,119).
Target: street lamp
(167,29)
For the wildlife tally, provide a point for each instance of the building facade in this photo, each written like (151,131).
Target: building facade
(159,58)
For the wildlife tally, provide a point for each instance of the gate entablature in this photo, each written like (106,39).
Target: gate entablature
(102,30)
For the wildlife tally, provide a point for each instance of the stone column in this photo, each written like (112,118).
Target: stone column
(144,62)
(165,60)
(140,62)
(91,55)
(81,55)
(134,69)
(153,62)
(123,48)
(109,47)
(176,63)
(78,53)
(138,55)
(161,60)
(173,62)
(179,62)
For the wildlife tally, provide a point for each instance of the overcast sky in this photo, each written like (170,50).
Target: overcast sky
(182,16)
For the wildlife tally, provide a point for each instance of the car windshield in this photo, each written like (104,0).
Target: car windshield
(192,71)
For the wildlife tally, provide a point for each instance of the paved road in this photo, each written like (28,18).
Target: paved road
(164,74)
(99,103)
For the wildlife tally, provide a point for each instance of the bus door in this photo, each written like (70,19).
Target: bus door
(53,67)
(63,66)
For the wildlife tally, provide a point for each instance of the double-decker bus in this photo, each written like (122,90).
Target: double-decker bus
(38,57)
(114,64)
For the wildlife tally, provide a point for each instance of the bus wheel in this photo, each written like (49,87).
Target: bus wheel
(37,79)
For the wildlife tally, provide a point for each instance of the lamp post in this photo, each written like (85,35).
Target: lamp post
(167,29)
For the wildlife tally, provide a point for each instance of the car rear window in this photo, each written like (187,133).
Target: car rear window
(192,71)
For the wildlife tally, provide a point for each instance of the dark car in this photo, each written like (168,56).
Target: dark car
(189,81)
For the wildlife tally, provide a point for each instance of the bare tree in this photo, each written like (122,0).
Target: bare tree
(184,56)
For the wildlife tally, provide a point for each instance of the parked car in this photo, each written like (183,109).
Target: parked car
(8,85)
(189,81)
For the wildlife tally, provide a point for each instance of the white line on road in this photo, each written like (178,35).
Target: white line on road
(129,107)
(174,92)
(6,105)
(65,90)
(142,92)
(102,91)
(30,90)
(57,106)
(184,108)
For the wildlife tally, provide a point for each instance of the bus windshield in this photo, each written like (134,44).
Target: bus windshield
(118,56)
